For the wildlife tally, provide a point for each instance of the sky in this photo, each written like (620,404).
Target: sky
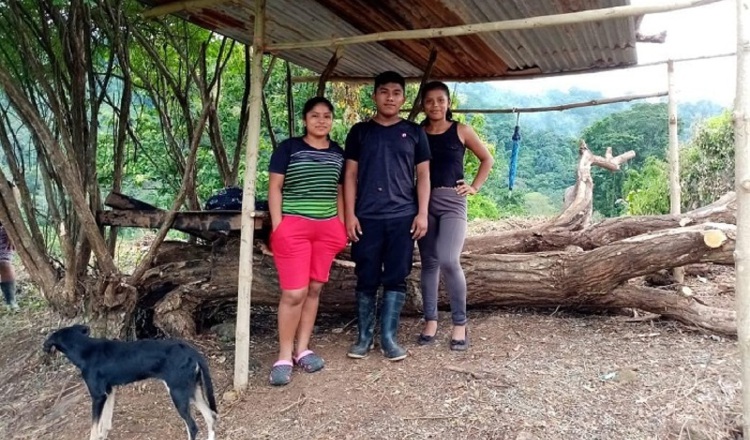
(699,31)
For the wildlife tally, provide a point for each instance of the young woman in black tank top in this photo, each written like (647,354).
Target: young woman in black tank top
(440,249)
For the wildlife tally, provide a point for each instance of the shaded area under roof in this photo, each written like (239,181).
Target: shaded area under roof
(546,51)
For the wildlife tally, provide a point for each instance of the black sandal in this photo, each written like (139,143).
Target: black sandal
(425,339)
(461,345)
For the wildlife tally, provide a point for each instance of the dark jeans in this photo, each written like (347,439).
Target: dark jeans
(383,254)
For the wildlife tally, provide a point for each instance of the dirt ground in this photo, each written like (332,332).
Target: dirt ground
(530,374)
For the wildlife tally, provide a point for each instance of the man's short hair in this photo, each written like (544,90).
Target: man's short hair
(390,77)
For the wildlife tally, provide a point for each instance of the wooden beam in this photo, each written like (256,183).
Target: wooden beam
(556,108)
(674,159)
(742,183)
(417,106)
(179,6)
(121,201)
(499,26)
(532,73)
(330,67)
(245,279)
(185,221)
(659,38)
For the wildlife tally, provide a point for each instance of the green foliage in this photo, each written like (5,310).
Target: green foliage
(708,162)
(643,128)
(647,190)
(511,203)
(480,206)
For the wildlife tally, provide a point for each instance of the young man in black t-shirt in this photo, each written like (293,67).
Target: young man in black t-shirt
(385,211)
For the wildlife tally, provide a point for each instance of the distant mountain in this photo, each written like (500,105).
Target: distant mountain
(569,122)
(549,145)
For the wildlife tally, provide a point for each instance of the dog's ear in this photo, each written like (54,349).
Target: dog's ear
(83,329)
(50,344)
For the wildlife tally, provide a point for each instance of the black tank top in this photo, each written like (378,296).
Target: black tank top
(447,163)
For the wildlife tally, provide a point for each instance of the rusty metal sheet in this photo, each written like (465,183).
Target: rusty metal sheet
(548,50)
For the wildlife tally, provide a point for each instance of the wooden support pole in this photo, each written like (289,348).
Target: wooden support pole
(266,112)
(269,124)
(179,6)
(330,67)
(497,26)
(290,100)
(557,108)
(269,70)
(742,184)
(417,106)
(674,159)
(245,280)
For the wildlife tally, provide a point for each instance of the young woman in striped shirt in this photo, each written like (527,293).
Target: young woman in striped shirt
(306,205)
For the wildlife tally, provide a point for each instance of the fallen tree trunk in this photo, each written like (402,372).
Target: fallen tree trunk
(551,237)
(188,277)
(564,262)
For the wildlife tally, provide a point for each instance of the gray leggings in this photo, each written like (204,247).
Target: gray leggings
(440,252)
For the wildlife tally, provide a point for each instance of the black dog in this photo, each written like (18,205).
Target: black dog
(105,364)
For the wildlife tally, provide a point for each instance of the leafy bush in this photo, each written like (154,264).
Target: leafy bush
(480,206)
(647,190)
(708,162)
(510,203)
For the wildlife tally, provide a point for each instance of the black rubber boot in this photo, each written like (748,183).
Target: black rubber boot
(9,294)
(365,325)
(393,302)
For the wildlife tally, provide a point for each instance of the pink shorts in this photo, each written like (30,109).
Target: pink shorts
(303,249)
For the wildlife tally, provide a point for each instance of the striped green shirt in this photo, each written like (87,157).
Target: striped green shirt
(311,178)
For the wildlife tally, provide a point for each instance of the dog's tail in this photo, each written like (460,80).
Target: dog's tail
(205,379)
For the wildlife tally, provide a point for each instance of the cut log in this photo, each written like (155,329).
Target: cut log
(187,277)
(545,237)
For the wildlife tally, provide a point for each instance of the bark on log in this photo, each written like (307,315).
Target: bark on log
(187,277)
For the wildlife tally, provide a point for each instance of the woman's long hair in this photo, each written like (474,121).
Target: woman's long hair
(436,85)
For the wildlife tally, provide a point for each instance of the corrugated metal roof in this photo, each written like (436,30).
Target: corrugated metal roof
(547,50)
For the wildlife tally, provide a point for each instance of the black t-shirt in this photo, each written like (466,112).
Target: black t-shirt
(386,157)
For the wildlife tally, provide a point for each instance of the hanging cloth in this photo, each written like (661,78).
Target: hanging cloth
(516,145)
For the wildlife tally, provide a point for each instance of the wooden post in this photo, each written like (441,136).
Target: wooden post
(337,54)
(290,101)
(245,280)
(417,106)
(742,186)
(674,159)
